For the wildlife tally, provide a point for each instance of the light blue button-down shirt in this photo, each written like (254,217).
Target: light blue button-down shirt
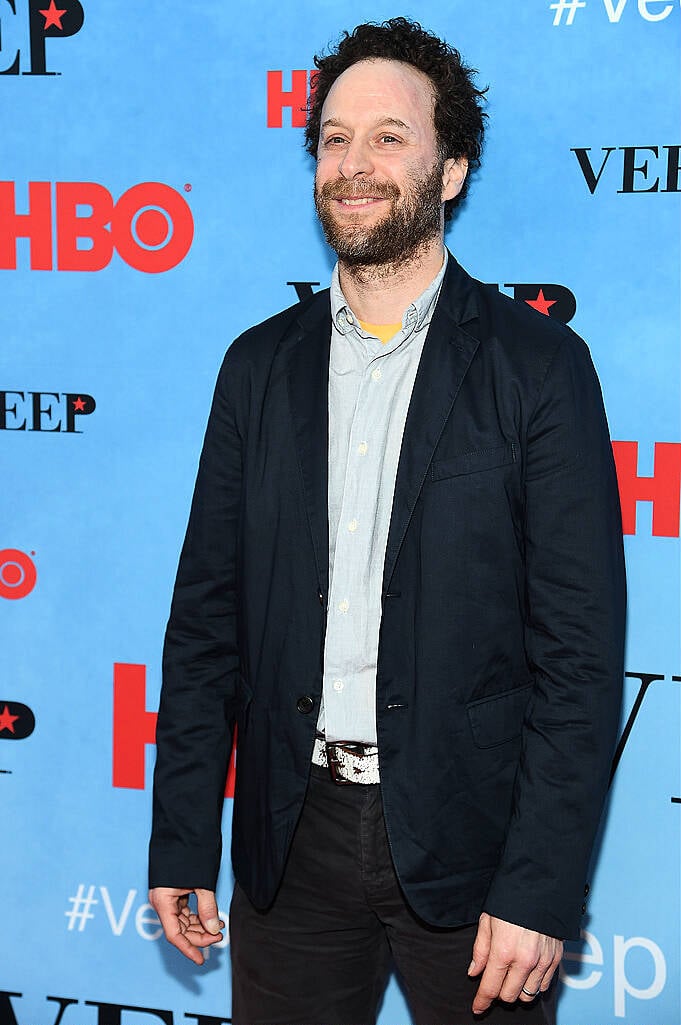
(370,386)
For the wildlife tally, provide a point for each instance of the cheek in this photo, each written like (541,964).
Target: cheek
(326,170)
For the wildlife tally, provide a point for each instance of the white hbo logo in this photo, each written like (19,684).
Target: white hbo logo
(622,984)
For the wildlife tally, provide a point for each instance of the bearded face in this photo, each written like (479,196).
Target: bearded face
(362,234)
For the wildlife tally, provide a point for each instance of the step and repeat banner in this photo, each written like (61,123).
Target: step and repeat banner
(155,200)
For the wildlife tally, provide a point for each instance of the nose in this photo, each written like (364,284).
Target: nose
(356,160)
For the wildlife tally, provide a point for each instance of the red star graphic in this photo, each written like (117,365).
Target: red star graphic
(53,16)
(540,303)
(79,404)
(7,720)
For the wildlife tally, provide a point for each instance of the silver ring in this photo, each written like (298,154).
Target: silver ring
(533,995)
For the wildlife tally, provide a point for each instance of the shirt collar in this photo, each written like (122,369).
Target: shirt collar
(416,316)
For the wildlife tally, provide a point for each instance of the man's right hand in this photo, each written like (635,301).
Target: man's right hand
(182,927)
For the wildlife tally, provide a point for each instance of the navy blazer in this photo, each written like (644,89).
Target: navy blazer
(500,655)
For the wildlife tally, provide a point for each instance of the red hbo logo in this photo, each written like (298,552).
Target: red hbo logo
(150,227)
(17,573)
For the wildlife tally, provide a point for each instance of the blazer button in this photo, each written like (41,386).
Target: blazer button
(586,890)
(305,704)
(583,909)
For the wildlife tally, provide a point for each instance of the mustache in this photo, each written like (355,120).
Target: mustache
(341,188)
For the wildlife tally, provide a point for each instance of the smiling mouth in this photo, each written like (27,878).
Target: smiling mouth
(364,201)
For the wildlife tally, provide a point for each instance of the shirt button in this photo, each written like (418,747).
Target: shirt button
(376,374)
(352,526)
(344,605)
(362,448)
(338,685)
(350,319)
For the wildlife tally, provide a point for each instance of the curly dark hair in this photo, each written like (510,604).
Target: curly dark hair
(458,115)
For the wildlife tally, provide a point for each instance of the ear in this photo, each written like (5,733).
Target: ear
(453,176)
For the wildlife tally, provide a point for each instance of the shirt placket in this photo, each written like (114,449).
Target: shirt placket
(354,619)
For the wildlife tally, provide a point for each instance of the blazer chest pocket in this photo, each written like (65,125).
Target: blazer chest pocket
(499,718)
(473,462)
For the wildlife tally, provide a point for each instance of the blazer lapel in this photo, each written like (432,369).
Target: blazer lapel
(446,356)
(308,386)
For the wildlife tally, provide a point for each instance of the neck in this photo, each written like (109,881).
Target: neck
(380,293)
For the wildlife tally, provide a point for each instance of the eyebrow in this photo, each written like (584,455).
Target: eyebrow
(395,122)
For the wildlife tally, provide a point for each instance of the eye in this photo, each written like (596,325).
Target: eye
(335,140)
(389,138)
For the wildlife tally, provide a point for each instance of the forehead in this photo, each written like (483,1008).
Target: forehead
(372,89)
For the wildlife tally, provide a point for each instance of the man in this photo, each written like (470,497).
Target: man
(403,580)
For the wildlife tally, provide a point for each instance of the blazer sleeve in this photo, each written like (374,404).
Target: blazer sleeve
(200,665)
(575,600)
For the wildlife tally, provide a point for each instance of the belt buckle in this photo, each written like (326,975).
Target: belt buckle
(333,761)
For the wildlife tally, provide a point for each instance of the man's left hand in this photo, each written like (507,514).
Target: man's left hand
(516,963)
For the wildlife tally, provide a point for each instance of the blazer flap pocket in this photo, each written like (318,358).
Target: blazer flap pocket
(472,462)
(499,718)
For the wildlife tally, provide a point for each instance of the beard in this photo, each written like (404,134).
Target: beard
(412,221)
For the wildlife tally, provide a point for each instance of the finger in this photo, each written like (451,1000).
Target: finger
(530,991)
(538,969)
(208,911)
(186,947)
(194,931)
(481,946)
(534,984)
(200,938)
(539,979)
(490,986)
(174,930)
(555,964)
(521,975)
(167,907)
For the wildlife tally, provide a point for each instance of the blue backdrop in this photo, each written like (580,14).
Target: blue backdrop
(148,214)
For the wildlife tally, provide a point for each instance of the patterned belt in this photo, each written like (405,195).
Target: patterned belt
(347,761)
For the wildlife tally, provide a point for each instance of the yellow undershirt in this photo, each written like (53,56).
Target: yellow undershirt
(384,332)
